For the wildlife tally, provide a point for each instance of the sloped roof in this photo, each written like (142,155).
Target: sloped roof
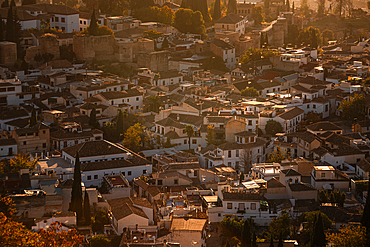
(123,207)
(95,148)
(323,126)
(274,183)
(188,224)
(170,122)
(291,173)
(364,164)
(230,19)
(292,113)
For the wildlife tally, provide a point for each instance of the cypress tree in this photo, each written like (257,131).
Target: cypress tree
(287,5)
(281,244)
(12,3)
(217,10)
(203,8)
(246,234)
(93,28)
(119,123)
(76,195)
(92,120)
(254,239)
(10,25)
(231,7)
(293,7)
(262,40)
(183,4)
(33,118)
(5,4)
(1,29)
(266,40)
(87,209)
(318,238)
(365,219)
(241,178)
(271,241)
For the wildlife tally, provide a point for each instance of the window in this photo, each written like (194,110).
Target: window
(176,181)
(308,106)
(129,173)
(249,122)
(160,182)
(89,177)
(314,106)
(229,164)
(144,171)
(229,154)
(237,153)
(241,206)
(185,141)
(128,100)
(56,19)
(85,22)
(10,89)
(96,176)
(137,98)
(24,143)
(253,206)
(194,141)
(3,89)
(44,145)
(322,175)
(21,96)
(123,173)
(80,22)
(63,19)
(229,206)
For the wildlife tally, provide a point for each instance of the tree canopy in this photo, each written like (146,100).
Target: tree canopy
(278,155)
(258,15)
(353,108)
(134,137)
(76,194)
(188,21)
(253,54)
(349,236)
(272,127)
(249,92)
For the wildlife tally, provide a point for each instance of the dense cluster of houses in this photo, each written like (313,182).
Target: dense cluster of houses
(179,194)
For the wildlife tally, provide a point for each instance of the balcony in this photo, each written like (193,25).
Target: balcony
(240,211)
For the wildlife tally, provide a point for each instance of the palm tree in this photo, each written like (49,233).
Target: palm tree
(189,129)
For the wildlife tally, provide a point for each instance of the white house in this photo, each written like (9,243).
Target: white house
(131,97)
(328,178)
(189,232)
(130,212)
(8,148)
(290,119)
(231,22)
(100,158)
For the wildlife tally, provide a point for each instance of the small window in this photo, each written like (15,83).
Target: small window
(24,143)
(229,154)
(89,177)
(229,205)
(137,98)
(129,173)
(63,19)
(194,141)
(176,181)
(96,176)
(144,171)
(160,182)
(44,145)
(253,206)
(56,19)
(322,175)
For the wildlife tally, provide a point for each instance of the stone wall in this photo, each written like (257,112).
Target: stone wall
(47,44)
(8,53)
(155,61)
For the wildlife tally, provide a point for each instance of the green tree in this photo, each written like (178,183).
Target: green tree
(321,8)
(134,137)
(33,118)
(281,243)
(272,127)
(165,44)
(305,9)
(231,7)
(271,241)
(99,220)
(241,178)
(327,35)
(287,5)
(253,54)
(293,33)
(258,15)
(280,225)
(217,10)
(349,236)
(211,136)
(87,209)
(231,227)
(93,28)
(254,239)
(92,120)
(119,123)
(5,4)
(246,238)
(353,108)
(278,155)
(318,237)
(365,219)
(214,62)
(249,92)
(10,25)
(293,7)
(188,21)
(310,219)
(99,241)
(76,196)
(21,161)
(189,129)
(154,102)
